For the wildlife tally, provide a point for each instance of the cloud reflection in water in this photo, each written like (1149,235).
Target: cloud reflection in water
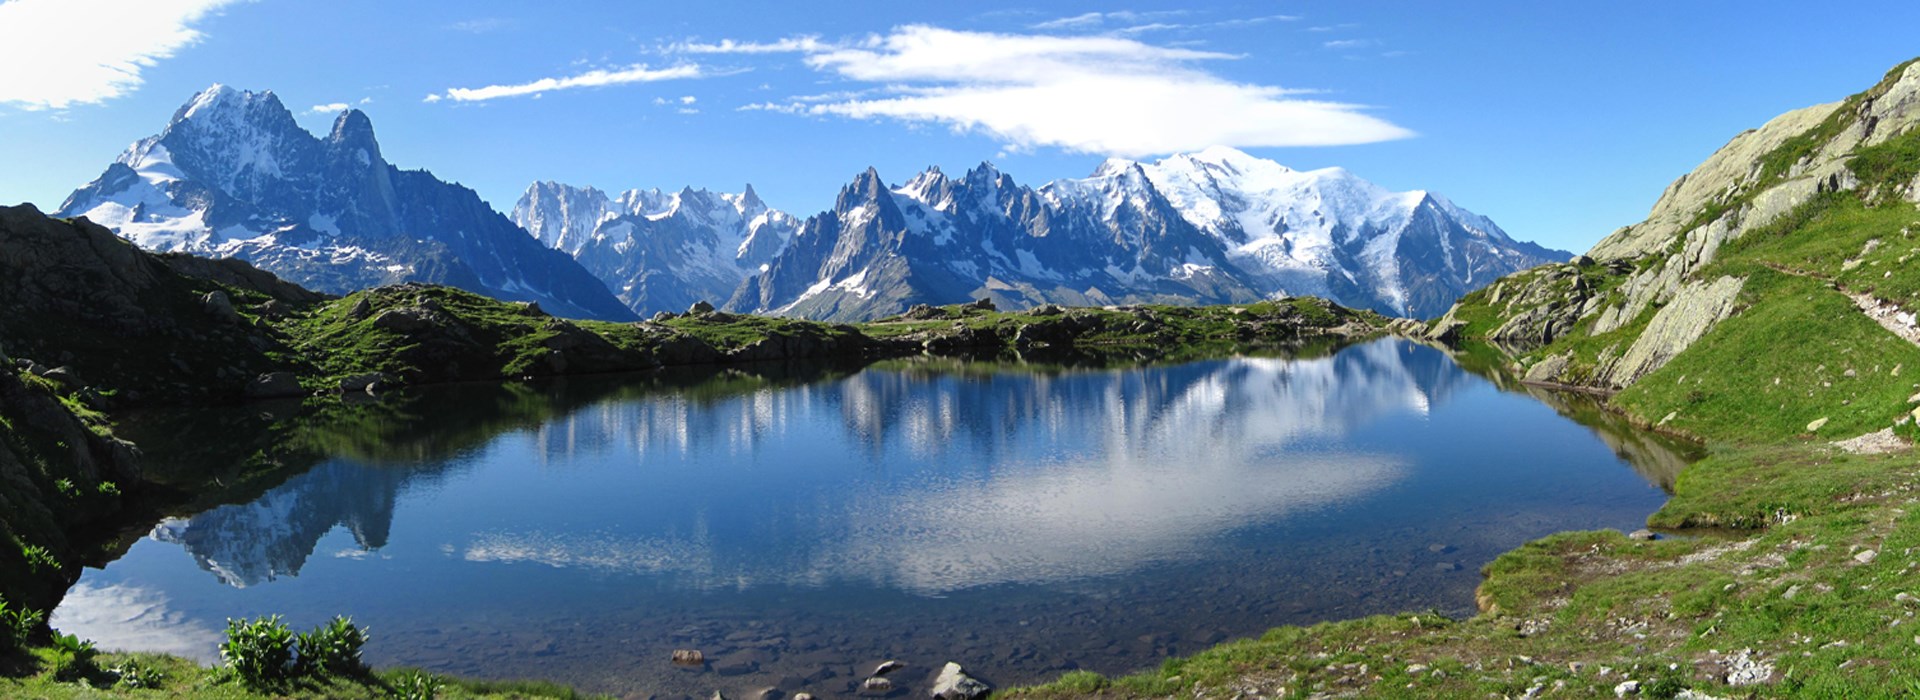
(1160,462)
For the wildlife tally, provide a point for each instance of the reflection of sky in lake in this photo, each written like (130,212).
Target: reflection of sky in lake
(897,481)
(126,616)
(1095,474)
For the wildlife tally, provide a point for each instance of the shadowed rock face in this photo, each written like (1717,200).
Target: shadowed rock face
(234,176)
(43,445)
(77,295)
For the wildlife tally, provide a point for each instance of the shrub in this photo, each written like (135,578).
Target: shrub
(333,648)
(72,658)
(415,686)
(133,675)
(9,639)
(260,651)
(22,622)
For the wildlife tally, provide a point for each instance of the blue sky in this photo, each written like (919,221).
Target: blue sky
(1561,121)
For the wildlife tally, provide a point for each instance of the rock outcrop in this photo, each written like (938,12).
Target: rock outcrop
(1694,311)
(75,294)
(1648,292)
(58,475)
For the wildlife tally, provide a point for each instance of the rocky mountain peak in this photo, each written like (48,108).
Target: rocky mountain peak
(220,109)
(750,203)
(234,175)
(930,187)
(214,98)
(352,127)
(866,187)
(986,176)
(1113,166)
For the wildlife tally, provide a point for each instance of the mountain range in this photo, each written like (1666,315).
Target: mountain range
(1218,226)
(232,175)
(658,251)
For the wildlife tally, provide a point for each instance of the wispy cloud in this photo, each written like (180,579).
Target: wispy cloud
(1095,20)
(1345,44)
(59,53)
(801,44)
(332,108)
(481,25)
(1095,94)
(638,73)
(1132,23)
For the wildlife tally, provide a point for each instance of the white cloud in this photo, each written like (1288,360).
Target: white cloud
(333,108)
(1130,23)
(1091,20)
(59,53)
(688,99)
(481,25)
(791,108)
(799,44)
(1094,94)
(1343,44)
(594,78)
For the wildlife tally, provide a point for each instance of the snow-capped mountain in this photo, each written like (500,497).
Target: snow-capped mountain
(1331,234)
(234,175)
(658,251)
(1218,226)
(941,240)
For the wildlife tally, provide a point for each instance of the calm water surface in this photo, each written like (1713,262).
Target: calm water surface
(798,529)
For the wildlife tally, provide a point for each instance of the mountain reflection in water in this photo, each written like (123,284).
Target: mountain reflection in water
(1204,499)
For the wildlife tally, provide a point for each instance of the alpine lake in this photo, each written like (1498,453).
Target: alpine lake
(799,524)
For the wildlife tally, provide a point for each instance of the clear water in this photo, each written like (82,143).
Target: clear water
(799,528)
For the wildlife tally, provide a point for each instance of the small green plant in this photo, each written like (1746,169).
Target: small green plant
(20,623)
(1670,683)
(333,648)
(39,559)
(132,674)
(108,488)
(72,658)
(260,651)
(415,686)
(66,488)
(8,639)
